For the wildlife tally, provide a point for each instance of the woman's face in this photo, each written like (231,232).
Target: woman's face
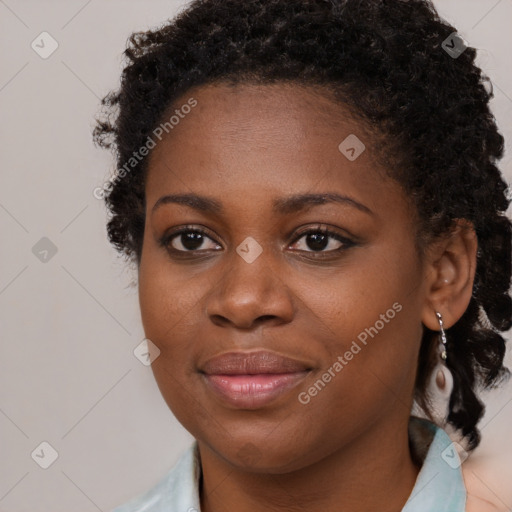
(262,283)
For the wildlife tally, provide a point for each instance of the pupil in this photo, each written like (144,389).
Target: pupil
(191,241)
(317,241)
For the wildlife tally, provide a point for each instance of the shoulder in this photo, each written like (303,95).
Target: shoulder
(479,497)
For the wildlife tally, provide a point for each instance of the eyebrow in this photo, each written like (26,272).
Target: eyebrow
(283,206)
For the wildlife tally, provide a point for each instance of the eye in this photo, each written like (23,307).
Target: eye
(322,240)
(189,239)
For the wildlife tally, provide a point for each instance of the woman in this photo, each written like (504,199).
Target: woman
(310,193)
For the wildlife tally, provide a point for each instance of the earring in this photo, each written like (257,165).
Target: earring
(443,377)
(442,346)
(441,380)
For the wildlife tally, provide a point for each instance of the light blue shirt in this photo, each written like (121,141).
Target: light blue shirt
(439,486)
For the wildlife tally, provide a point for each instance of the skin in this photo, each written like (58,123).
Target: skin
(347,449)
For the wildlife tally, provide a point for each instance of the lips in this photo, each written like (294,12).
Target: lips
(251,380)
(252,363)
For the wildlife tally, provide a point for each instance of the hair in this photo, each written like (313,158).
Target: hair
(384,61)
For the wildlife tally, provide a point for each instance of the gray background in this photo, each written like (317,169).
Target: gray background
(68,375)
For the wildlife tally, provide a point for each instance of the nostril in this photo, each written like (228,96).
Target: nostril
(264,318)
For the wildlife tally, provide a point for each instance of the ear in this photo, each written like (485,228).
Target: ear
(450,273)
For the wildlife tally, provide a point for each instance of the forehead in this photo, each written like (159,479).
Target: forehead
(261,111)
(279,137)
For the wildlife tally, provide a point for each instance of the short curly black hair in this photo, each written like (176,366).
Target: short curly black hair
(385,61)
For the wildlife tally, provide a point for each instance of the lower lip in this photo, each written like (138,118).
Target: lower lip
(253,391)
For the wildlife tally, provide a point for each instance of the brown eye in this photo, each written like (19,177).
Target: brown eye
(189,240)
(318,240)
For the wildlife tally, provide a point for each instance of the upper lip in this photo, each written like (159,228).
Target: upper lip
(252,363)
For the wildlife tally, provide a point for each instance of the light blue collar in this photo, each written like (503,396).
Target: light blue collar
(440,485)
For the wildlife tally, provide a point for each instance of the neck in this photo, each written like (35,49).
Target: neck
(375,471)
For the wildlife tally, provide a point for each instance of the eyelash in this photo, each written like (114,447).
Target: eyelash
(167,238)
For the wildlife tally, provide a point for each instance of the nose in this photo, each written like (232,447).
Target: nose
(250,294)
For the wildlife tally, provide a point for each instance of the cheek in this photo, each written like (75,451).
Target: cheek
(167,312)
(372,311)
(167,299)
(369,369)
(364,296)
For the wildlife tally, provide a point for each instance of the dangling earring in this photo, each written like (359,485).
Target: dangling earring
(442,351)
(441,370)
(441,380)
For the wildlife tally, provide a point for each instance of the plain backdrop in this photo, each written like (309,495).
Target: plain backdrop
(69,312)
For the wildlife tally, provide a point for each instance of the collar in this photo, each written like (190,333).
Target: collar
(439,485)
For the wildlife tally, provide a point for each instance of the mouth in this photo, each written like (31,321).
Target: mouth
(251,380)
